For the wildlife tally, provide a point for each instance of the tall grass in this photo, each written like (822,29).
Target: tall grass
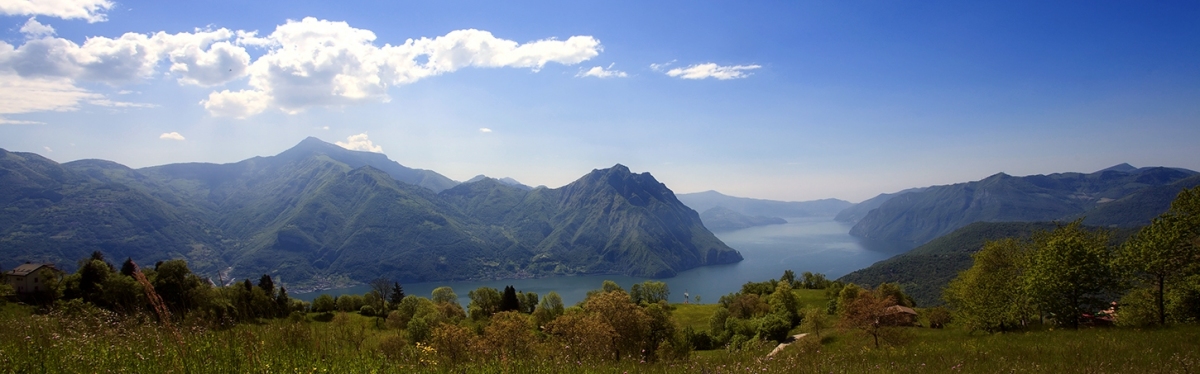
(101,342)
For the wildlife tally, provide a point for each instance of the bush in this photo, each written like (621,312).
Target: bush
(774,327)
(418,330)
(1138,309)
(394,348)
(939,317)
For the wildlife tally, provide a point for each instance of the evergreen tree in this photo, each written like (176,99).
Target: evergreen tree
(128,267)
(267,285)
(509,301)
(397,294)
(283,302)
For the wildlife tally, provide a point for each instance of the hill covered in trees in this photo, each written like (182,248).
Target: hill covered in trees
(1121,196)
(318,215)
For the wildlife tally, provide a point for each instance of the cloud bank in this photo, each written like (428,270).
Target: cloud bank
(89,10)
(306,63)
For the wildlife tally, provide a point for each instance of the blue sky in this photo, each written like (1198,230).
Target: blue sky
(791,100)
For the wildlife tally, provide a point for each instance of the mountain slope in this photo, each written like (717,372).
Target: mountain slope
(856,212)
(720,218)
(918,217)
(927,269)
(60,213)
(702,201)
(315,216)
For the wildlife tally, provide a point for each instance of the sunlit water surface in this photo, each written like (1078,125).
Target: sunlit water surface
(818,245)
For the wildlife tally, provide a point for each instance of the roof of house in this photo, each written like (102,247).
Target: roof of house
(899,309)
(27,269)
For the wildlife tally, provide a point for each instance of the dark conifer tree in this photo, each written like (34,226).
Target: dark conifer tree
(283,302)
(267,285)
(509,301)
(397,294)
(128,267)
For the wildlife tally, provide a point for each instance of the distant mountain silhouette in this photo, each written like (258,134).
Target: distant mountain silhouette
(703,201)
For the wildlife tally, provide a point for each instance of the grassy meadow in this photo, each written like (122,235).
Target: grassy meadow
(350,343)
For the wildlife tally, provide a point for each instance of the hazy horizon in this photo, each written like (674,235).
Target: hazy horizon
(790,102)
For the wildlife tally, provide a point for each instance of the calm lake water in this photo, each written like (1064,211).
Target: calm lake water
(819,245)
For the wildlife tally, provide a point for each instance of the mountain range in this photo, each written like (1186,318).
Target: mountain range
(1120,196)
(318,215)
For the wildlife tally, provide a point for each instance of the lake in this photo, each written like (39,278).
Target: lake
(818,245)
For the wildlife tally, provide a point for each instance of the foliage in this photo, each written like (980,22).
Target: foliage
(926,270)
(1164,253)
(815,320)
(508,300)
(990,296)
(1069,273)
(864,313)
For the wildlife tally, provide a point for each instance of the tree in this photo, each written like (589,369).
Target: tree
(382,287)
(815,321)
(1166,251)
(627,320)
(396,295)
(989,295)
(863,314)
(581,336)
(783,304)
(283,302)
(177,286)
(746,306)
(655,291)
(789,277)
(508,300)
(267,285)
(452,342)
(548,309)
(128,267)
(324,303)
(444,295)
(485,302)
(509,335)
(1069,272)
(528,301)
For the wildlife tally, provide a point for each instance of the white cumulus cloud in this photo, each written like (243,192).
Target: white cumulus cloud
(360,142)
(485,130)
(315,62)
(171,136)
(203,57)
(34,28)
(602,72)
(711,70)
(89,10)
(305,63)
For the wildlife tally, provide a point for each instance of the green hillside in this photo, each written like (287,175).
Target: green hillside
(927,269)
(920,216)
(318,215)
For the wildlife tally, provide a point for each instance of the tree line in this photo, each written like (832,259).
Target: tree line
(1073,275)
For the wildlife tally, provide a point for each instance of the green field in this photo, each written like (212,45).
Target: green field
(354,344)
